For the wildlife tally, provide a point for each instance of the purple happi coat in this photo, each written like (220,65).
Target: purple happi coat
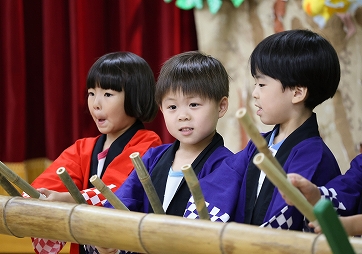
(231,188)
(345,190)
(158,162)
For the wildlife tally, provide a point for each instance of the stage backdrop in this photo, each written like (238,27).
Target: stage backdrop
(47,48)
(231,33)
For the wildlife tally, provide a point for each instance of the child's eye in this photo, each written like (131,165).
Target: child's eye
(90,94)
(193,105)
(173,107)
(107,95)
(260,85)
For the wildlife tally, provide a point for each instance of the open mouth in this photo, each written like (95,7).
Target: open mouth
(186,129)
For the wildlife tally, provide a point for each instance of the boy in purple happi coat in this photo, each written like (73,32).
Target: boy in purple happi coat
(294,71)
(192,92)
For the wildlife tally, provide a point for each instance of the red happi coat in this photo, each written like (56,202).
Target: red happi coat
(76,159)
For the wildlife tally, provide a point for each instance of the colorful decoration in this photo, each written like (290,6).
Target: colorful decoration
(323,10)
(214,5)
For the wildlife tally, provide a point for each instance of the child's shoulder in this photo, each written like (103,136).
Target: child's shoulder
(223,151)
(314,144)
(157,150)
(358,159)
(314,150)
(86,141)
(146,132)
(146,136)
(217,156)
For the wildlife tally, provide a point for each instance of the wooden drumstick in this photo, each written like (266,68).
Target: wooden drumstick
(8,187)
(196,191)
(110,196)
(282,183)
(72,188)
(146,182)
(14,178)
(256,137)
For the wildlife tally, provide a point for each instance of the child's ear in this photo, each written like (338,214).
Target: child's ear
(161,109)
(223,106)
(300,94)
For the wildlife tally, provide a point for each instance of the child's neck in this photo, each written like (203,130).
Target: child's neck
(287,128)
(186,154)
(109,141)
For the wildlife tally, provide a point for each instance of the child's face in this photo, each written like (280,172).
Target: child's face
(107,110)
(191,119)
(274,106)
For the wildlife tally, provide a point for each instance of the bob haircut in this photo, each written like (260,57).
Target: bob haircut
(299,58)
(193,73)
(125,71)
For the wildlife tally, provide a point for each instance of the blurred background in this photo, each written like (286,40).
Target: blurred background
(47,48)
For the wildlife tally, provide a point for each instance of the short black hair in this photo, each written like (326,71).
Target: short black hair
(299,58)
(126,71)
(193,73)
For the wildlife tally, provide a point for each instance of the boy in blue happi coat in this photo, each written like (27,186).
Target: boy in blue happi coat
(192,92)
(294,71)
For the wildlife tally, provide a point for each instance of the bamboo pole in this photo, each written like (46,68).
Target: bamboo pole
(255,136)
(72,188)
(196,191)
(332,227)
(109,195)
(282,183)
(8,187)
(147,183)
(149,233)
(14,178)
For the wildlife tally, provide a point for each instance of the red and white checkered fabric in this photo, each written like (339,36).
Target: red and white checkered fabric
(45,246)
(25,195)
(94,197)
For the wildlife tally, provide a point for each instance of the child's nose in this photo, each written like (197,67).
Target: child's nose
(184,117)
(254,94)
(96,103)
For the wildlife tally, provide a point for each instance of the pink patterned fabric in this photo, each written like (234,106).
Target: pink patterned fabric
(94,197)
(45,246)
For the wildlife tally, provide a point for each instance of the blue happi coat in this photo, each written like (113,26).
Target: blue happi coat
(302,152)
(232,187)
(158,162)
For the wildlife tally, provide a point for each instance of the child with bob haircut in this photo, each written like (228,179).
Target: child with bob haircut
(294,71)
(121,88)
(192,93)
